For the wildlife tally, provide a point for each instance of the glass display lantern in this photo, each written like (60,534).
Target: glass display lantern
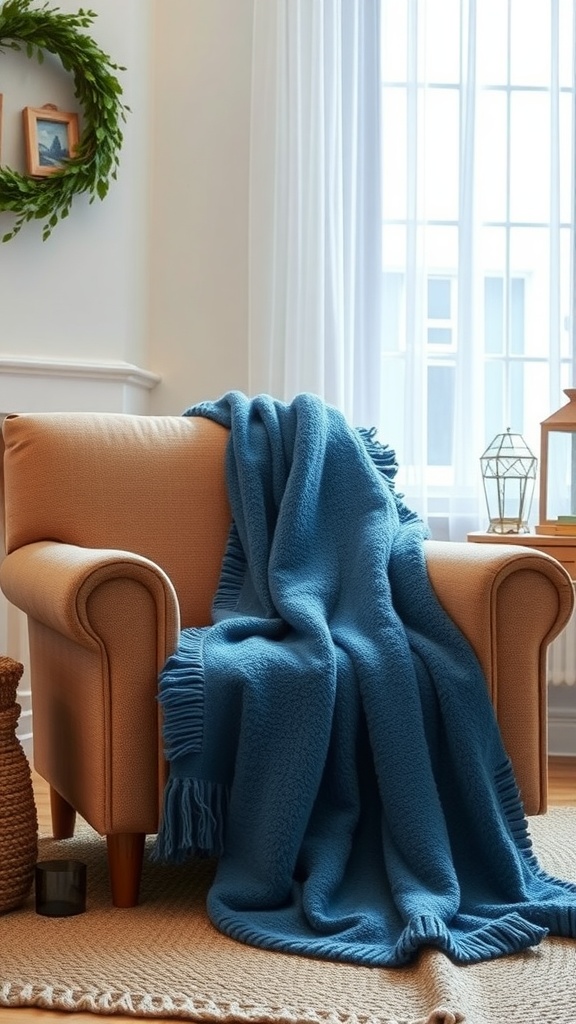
(508,474)
(557,512)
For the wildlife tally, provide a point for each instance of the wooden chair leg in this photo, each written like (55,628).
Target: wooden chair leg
(125,856)
(63,816)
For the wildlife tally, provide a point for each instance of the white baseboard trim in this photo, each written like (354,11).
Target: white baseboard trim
(562,732)
(24,728)
(26,742)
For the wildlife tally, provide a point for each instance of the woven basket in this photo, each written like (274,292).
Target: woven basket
(18,818)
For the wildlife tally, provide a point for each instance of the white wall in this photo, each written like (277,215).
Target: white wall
(82,294)
(156,275)
(199,225)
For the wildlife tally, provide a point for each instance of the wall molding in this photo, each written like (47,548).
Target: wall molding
(93,370)
(20,378)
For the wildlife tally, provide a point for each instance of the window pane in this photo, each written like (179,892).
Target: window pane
(493,400)
(492,252)
(529,259)
(529,163)
(567,184)
(566,376)
(517,316)
(439,336)
(529,42)
(394,168)
(392,385)
(566,16)
(492,35)
(441,154)
(521,421)
(440,414)
(494,314)
(565,293)
(492,158)
(517,400)
(393,35)
(536,401)
(394,247)
(442,249)
(439,291)
(442,40)
(392,307)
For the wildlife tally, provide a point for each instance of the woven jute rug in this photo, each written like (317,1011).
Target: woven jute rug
(163,959)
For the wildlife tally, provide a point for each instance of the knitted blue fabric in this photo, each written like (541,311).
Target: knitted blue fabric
(330,735)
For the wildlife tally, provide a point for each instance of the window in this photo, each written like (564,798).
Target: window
(478,229)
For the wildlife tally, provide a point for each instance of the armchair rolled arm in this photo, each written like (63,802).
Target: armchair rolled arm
(53,584)
(101,622)
(510,602)
(477,583)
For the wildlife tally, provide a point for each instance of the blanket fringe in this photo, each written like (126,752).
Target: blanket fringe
(193,820)
(384,459)
(511,804)
(232,572)
(181,694)
(558,919)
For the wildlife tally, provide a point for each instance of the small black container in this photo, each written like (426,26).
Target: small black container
(60,887)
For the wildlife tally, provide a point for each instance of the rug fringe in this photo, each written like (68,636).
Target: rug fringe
(145,1004)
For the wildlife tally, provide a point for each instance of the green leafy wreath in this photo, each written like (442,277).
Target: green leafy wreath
(36,30)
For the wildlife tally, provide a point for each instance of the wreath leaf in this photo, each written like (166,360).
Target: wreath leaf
(34,30)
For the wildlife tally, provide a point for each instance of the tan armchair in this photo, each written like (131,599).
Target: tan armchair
(115,527)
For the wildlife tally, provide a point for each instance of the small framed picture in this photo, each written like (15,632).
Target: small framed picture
(51,137)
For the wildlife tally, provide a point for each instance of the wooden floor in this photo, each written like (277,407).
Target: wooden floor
(562,781)
(562,791)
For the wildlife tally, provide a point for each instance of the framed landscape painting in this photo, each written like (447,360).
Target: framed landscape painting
(51,137)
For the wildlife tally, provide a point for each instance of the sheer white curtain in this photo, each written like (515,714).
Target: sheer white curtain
(315,216)
(411,225)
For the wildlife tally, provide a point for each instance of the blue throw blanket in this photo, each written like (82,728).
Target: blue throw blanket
(330,735)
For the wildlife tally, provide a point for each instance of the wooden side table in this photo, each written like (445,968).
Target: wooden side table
(562,548)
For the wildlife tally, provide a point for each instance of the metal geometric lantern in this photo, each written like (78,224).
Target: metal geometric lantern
(508,473)
(558,470)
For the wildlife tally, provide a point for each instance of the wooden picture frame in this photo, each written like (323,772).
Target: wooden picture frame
(51,137)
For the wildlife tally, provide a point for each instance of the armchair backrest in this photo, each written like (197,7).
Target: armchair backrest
(151,485)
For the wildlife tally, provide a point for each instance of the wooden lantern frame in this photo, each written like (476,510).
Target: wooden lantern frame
(561,421)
